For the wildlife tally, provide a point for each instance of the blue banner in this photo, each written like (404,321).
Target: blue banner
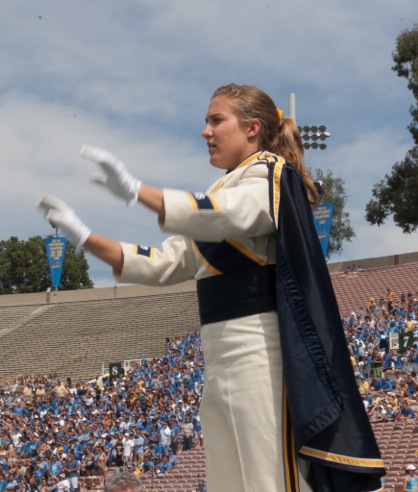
(322,216)
(55,249)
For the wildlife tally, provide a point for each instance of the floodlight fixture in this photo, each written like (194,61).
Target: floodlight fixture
(309,134)
(314,133)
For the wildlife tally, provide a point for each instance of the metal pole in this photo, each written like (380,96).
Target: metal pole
(292,105)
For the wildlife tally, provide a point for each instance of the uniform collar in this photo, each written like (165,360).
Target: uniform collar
(248,160)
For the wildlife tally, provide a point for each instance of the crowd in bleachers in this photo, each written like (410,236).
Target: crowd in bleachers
(382,337)
(52,431)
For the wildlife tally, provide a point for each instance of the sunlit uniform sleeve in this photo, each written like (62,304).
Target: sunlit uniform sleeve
(240,211)
(172,263)
(228,228)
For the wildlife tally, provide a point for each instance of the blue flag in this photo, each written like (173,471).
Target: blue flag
(55,249)
(322,216)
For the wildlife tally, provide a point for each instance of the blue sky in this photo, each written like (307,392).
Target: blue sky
(135,77)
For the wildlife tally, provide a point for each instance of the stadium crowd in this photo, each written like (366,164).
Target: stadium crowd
(382,339)
(52,431)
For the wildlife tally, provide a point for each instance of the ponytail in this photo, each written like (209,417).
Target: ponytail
(277,135)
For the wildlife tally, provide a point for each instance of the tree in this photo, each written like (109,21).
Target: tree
(24,267)
(397,193)
(333,191)
(406,65)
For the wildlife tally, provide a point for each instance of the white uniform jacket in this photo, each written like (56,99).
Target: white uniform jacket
(226,229)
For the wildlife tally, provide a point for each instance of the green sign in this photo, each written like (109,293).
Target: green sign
(406,340)
(115,369)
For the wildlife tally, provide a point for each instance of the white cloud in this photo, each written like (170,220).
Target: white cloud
(136,77)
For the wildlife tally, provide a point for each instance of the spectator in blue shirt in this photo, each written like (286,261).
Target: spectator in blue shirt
(56,465)
(386,383)
(406,411)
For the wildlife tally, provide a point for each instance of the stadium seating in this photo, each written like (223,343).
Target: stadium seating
(77,339)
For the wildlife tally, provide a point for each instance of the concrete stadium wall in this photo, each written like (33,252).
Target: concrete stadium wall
(117,292)
(382,261)
(124,291)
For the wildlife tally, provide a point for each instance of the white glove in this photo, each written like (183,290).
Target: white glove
(116,177)
(62,216)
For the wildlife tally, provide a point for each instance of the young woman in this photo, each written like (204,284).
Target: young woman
(227,240)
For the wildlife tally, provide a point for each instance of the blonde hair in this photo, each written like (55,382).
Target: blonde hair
(277,135)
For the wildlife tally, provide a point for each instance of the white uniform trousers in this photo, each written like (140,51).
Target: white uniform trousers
(241,409)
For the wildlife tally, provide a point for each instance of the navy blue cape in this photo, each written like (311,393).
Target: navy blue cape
(328,419)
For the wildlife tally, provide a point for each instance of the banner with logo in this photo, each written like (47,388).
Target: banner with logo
(322,216)
(55,249)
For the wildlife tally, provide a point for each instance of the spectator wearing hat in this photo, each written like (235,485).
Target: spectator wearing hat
(371,307)
(128,450)
(364,386)
(63,484)
(410,481)
(390,412)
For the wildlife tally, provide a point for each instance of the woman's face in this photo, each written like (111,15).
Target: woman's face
(229,143)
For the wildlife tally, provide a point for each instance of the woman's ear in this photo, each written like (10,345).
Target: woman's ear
(254,128)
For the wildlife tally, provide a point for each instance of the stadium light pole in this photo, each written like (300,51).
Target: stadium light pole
(310,134)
